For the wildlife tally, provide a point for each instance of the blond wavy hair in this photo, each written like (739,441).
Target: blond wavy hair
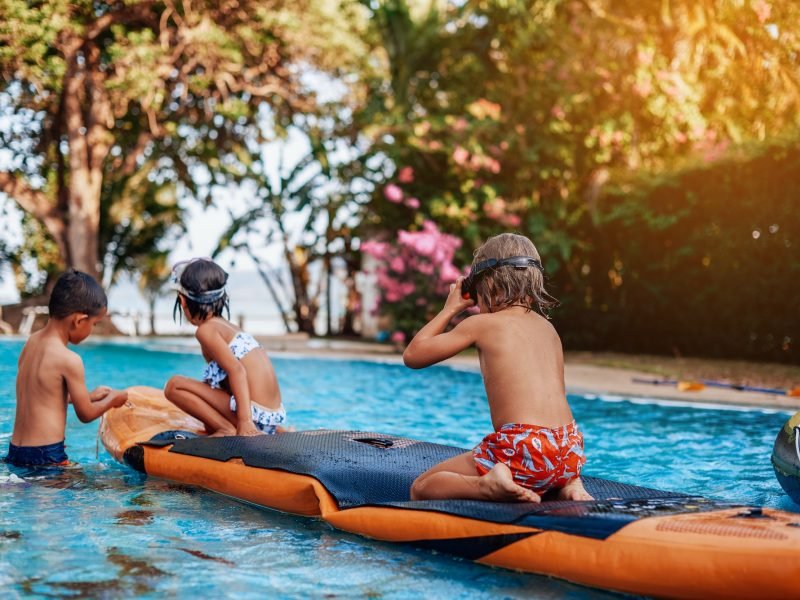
(506,286)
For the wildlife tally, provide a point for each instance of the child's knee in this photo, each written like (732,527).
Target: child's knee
(419,487)
(172,385)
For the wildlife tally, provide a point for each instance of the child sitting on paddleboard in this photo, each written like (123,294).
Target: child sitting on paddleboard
(50,375)
(536,446)
(239,393)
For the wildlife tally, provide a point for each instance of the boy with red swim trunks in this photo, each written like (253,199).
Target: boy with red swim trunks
(536,446)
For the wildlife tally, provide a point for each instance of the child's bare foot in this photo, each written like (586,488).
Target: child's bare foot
(498,484)
(223,432)
(574,490)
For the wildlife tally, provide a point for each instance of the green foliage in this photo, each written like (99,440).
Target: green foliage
(674,269)
(531,109)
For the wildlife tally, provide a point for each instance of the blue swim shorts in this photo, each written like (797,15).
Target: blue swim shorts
(37,456)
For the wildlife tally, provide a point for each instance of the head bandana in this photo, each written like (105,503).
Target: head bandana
(207,297)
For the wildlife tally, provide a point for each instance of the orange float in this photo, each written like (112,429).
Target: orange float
(630,539)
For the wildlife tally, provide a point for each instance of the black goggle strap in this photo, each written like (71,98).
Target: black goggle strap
(518,262)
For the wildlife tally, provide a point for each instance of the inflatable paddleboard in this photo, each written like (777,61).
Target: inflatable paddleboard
(629,539)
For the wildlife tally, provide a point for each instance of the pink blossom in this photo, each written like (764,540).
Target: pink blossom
(449,273)
(406,175)
(393,193)
(418,267)
(412,203)
(460,155)
(492,165)
(425,268)
(398,337)
(397,265)
(375,249)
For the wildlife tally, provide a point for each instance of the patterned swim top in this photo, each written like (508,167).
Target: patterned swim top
(241,344)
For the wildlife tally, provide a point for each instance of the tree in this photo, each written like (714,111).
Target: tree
(309,210)
(98,91)
(154,273)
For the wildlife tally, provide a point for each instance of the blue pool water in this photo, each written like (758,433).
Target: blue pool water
(104,531)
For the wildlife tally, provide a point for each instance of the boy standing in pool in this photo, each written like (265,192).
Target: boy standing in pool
(536,446)
(50,375)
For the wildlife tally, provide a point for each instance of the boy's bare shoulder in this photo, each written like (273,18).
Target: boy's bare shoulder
(478,322)
(62,357)
(46,354)
(503,319)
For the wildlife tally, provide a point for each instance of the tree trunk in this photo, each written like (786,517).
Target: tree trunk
(305,310)
(87,115)
(84,222)
(353,303)
(329,280)
(151,305)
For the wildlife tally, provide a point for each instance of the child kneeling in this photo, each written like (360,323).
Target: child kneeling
(239,393)
(536,446)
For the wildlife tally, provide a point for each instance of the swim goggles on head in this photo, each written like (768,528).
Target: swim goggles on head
(206,297)
(518,262)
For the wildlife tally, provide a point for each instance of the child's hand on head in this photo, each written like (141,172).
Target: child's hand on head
(455,300)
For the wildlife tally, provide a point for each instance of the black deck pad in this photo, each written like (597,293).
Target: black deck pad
(364,468)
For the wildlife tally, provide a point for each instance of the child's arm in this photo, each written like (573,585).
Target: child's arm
(431,345)
(216,348)
(86,407)
(96,394)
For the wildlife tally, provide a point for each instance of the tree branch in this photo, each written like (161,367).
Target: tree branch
(30,200)
(35,203)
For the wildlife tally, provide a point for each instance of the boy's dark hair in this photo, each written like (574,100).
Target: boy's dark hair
(198,277)
(76,292)
(504,287)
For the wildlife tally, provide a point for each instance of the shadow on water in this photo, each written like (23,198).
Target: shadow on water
(135,576)
(134,517)
(204,556)
(77,477)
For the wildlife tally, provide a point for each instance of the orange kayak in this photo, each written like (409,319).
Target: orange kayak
(630,539)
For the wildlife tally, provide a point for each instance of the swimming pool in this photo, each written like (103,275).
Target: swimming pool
(105,531)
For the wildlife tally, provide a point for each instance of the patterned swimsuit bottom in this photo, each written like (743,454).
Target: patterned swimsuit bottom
(540,458)
(265,419)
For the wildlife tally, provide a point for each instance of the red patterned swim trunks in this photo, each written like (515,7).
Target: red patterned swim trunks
(540,458)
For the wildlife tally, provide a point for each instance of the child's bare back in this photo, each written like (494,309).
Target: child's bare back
(523,368)
(41,390)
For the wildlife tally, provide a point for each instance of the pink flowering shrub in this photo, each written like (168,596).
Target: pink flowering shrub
(414,273)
